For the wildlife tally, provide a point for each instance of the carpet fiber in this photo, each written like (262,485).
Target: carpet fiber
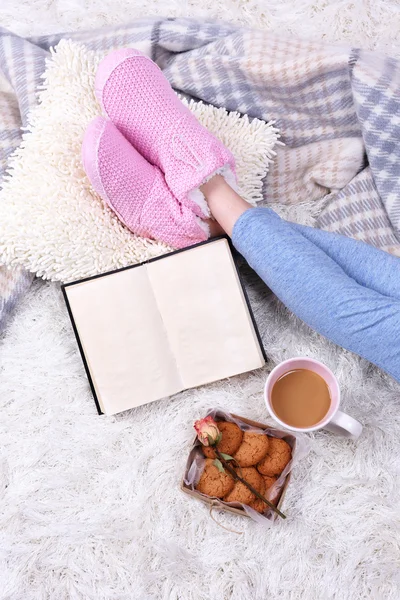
(90,507)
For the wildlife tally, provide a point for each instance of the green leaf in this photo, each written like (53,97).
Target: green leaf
(219,465)
(219,438)
(226,456)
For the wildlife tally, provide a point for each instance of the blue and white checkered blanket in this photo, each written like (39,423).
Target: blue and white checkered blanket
(338,110)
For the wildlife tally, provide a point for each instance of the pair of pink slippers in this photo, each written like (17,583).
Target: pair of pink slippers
(149,158)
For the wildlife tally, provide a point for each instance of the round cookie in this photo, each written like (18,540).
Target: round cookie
(240,492)
(273,496)
(258,504)
(269,481)
(253,448)
(214,483)
(232,437)
(278,456)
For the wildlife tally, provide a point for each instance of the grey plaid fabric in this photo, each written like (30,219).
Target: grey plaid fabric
(337,109)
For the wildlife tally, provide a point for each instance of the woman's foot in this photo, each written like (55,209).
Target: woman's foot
(136,190)
(226,206)
(138,99)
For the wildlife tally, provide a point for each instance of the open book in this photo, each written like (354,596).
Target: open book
(175,322)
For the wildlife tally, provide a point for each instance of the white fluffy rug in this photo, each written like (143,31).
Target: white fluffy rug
(90,507)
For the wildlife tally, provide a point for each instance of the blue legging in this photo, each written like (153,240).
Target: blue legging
(346,290)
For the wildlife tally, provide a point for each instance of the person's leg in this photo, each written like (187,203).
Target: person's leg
(309,282)
(368,266)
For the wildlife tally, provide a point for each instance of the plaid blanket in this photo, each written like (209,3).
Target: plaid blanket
(338,110)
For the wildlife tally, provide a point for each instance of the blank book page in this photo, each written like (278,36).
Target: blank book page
(124,340)
(205,314)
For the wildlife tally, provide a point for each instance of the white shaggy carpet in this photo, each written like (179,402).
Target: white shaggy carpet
(90,507)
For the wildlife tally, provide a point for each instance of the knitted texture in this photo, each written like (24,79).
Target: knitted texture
(137,97)
(136,190)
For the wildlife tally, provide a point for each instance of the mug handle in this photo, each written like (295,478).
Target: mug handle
(345,425)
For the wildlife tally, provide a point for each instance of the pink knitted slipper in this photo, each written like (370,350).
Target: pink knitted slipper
(139,100)
(136,190)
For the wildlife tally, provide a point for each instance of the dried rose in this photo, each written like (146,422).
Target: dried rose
(207,431)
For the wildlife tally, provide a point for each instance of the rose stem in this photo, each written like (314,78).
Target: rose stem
(238,478)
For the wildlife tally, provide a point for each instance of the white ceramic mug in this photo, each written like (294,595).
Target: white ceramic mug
(335,420)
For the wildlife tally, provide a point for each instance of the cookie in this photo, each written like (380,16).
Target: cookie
(258,504)
(214,483)
(232,437)
(278,455)
(241,493)
(269,481)
(253,448)
(273,496)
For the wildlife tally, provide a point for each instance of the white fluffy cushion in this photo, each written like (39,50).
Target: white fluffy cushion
(51,221)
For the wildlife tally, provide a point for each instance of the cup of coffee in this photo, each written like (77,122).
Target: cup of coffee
(302,394)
